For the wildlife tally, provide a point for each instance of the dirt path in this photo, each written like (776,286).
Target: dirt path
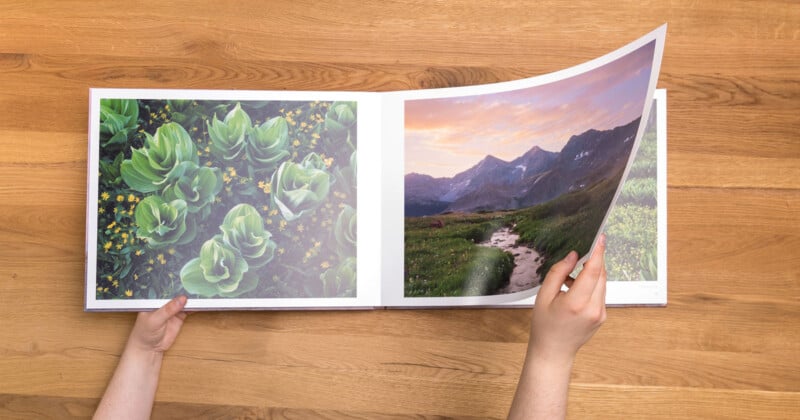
(526,261)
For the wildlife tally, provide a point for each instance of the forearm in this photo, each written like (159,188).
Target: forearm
(543,388)
(132,389)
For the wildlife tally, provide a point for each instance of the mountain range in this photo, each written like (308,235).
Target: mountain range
(533,178)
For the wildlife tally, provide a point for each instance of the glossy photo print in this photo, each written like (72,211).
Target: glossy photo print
(498,186)
(225,199)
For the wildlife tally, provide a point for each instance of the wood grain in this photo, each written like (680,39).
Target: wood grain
(726,346)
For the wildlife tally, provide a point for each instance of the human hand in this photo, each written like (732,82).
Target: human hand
(565,321)
(156,331)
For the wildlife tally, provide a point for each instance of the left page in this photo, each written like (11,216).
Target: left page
(238,199)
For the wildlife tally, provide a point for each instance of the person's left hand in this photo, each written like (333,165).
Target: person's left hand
(156,331)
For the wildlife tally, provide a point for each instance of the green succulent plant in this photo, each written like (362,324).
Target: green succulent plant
(151,167)
(341,118)
(243,229)
(345,232)
(118,118)
(228,137)
(162,223)
(196,185)
(299,188)
(266,145)
(220,270)
(340,280)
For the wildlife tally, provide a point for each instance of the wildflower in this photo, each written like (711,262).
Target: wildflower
(111,225)
(135,276)
(129,293)
(171,251)
(296,143)
(325,265)
(119,246)
(317,244)
(105,196)
(107,246)
(120,198)
(281,251)
(138,252)
(131,198)
(101,210)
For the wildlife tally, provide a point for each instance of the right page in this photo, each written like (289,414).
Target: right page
(486,187)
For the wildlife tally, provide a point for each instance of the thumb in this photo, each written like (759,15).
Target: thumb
(169,310)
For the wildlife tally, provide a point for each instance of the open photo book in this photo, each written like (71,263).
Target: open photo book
(455,197)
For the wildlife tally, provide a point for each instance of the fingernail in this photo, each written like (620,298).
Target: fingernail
(572,256)
(602,240)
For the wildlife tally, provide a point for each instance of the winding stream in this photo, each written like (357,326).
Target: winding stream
(526,261)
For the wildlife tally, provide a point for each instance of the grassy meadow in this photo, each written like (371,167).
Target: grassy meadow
(442,256)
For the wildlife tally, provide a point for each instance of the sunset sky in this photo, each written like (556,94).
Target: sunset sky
(446,136)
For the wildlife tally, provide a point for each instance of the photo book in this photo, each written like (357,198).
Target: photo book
(454,197)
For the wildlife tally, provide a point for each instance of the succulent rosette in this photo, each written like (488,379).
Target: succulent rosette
(340,280)
(118,118)
(243,229)
(299,188)
(345,232)
(228,137)
(341,118)
(220,270)
(196,185)
(266,145)
(162,224)
(150,167)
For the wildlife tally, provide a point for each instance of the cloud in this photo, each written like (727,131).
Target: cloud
(448,135)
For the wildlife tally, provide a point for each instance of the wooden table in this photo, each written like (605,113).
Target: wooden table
(727,345)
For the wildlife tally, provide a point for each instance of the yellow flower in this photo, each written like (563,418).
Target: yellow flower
(101,210)
(317,244)
(120,198)
(325,265)
(105,195)
(232,171)
(135,276)
(301,228)
(119,246)
(138,252)
(111,225)
(107,245)
(129,293)
(124,235)
(131,198)
(171,251)
(281,251)
(296,143)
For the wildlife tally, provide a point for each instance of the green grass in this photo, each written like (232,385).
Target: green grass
(447,261)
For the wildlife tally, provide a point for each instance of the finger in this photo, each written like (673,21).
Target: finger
(170,309)
(599,294)
(588,278)
(556,277)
